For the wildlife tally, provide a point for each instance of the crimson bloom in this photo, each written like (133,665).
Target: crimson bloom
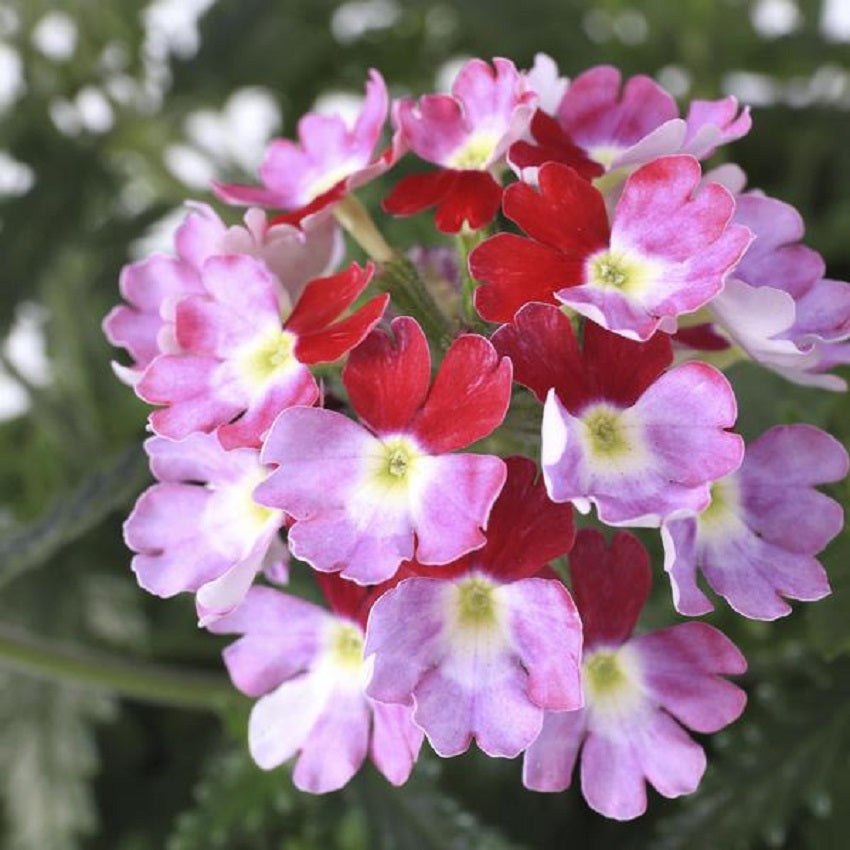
(367,497)
(240,362)
(638,690)
(466,133)
(482,646)
(666,251)
(619,431)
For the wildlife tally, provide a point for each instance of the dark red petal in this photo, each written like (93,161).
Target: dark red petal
(331,343)
(610,585)
(325,298)
(469,397)
(516,270)
(543,348)
(418,192)
(472,199)
(702,337)
(525,530)
(567,213)
(620,369)
(388,374)
(552,145)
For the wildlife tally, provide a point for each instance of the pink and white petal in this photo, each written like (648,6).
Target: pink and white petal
(546,633)
(681,667)
(800,455)
(321,455)
(296,387)
(433,127)
(482,698)
(366,548)
(454,505)
(776,258)
(395,742)
(336,746)
(671,760)
(171,558)
(692,393)
(224,593)
(244,286)
(282,635)
(200,236)
(550,760)
(753,576)
(664,140)
(199,457)
(544,80)
(595,112)
(612,776)
(823,313)
(406,635)
(715,122)
(373,113)
(679,537)
(134,331)
(151,282)
(281,721)
(208,328)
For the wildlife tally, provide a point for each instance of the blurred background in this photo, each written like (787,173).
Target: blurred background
(118,729)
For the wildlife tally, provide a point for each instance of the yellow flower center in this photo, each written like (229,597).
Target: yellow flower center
(476,606)
(605,432)
(396,464)
(272,356)
(722,516)
(347,645)
(627,273)
(476,153)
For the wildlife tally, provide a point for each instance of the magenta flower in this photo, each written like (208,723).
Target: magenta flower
(757,540)
(638,690)
(367,497)
(619,128)
(199,529)
(466,133)
(144,326)
(619,431)
(306,666)
(481,647)
(240,362)
(329,160)
(667,250)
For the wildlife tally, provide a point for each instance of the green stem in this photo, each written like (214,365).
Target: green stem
(466,242)
(398,275)
(142,680)
(410,296)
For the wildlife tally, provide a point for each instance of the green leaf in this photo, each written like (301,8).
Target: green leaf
(48,754)
(774,768)
(72,516)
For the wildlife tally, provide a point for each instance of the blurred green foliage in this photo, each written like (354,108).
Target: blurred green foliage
(83,767)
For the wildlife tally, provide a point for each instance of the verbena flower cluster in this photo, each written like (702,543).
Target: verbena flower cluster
(353,417)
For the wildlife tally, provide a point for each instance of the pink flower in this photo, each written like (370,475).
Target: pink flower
(145,325)
(329,160)
(619,129)
(466,133)
(636,689)
(619,431)
(667,250)
(482,646)
(367,497)
(240,363)
(199,529)
(306,665)
(755,543)
(777,306)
